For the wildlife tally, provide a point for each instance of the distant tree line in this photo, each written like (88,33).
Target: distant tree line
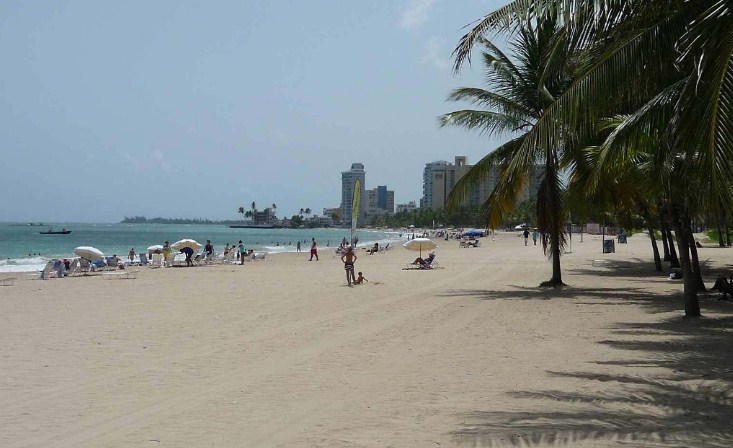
(144,220)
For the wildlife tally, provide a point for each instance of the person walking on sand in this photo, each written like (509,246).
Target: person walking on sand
(534,236)
(314,250)
(297,248)
(526,236)
(131,255)
(349,258)
(241,252)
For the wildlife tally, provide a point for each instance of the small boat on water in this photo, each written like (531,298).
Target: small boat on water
(56,232)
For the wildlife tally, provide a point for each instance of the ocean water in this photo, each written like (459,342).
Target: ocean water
(23,248)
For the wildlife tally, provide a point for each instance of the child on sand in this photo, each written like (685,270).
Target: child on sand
(360,279)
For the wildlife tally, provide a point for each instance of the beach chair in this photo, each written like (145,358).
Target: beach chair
(84,266)
(428,263)
(120,275)
(47,272)
(111,264)
(179,260)
(259,256)
(230,257)
(143,259)
(7,281)
(74,269)
(157,261)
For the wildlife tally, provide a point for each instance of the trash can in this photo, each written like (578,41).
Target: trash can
(622,239)
(609,246)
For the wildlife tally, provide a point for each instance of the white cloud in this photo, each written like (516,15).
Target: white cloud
(436,54)
(415,13)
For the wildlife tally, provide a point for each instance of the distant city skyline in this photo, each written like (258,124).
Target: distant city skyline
(207,107)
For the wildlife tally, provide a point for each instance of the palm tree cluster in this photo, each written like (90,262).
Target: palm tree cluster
(627,105)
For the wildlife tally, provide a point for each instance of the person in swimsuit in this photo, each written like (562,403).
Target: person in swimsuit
(314,250)
(360,279)
(349,258)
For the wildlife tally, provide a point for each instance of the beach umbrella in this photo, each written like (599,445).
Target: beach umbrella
(178,245)
(89,253)
(155,247)
(420,244)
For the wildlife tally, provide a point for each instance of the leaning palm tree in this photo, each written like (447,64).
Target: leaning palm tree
(522,88)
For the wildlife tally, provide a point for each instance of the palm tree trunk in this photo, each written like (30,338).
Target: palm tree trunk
(554,218)
(699,283)
(647,217)
(674,262)
(662,222)
(721,242)
(665,246)
(692,305)
(657,260)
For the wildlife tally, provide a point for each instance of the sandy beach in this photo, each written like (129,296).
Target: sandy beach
(281,353)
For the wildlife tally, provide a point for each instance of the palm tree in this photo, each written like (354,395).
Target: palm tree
(301,212)
(524,86)
(639,48)
(307,212)
(241,211)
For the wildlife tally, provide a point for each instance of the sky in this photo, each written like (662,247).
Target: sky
(193,109)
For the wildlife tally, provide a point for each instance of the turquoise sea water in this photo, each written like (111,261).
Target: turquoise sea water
(23,248)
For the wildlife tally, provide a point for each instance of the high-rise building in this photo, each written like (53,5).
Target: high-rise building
(439,179)
(427,186)
(410,206)
(348,178)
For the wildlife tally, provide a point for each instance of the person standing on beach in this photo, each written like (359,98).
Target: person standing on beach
(534,236)
(314,250)
(131,255)
(349,258)
(166,253)
(241,252)
(526,236)
(297,248)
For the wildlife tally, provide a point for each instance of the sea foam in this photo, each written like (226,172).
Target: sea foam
(25,264)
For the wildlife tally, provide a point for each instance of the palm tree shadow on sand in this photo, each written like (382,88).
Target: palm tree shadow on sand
(690,405)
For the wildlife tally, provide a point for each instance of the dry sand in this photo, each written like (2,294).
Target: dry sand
(281,353)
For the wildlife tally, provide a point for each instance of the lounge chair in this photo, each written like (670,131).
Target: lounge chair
(126,274)
(74,269)
(157,261)
(230,257)
(7,281)
(179,260)
(259,256)
(143,259)
(47,272)
(427,263)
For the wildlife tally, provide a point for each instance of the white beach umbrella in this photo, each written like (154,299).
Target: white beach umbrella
(89,253)
(155,247)
(178,245)
(420,244)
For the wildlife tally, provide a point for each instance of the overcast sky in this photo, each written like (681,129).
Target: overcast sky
(191,109)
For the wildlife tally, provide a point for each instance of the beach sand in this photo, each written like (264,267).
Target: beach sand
(281,353)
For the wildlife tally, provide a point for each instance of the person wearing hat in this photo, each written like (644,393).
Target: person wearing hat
(349,258)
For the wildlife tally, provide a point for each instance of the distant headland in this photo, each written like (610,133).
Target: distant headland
(144,220)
